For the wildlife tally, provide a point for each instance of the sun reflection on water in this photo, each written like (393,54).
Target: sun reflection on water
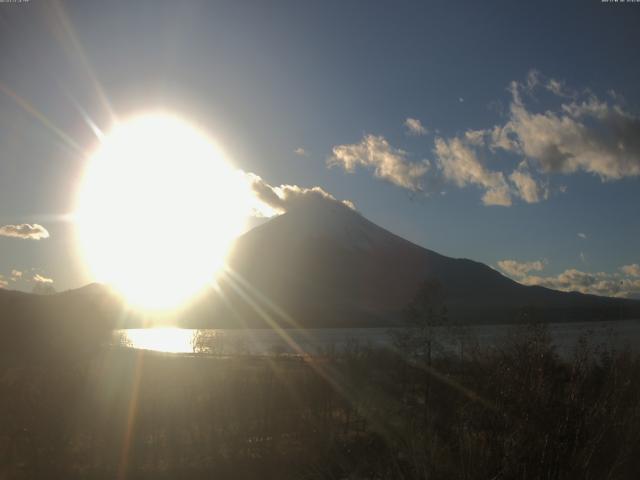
(170,340)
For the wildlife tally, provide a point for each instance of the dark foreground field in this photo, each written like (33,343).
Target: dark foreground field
(516,411)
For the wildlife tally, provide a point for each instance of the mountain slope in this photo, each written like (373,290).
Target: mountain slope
(38,328)
(328,265)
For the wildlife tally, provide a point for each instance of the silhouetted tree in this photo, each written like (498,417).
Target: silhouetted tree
(424,315)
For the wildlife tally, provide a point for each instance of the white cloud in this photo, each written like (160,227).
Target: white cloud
(525,185)
(600,283)
(581,133)
(415,127)
(588,135)
(573,280)
(632,270)
(3,282)
(388,163)
(41,279)
(499,196)
(24,231)
(517,269)
(582,235)
(43,285)
(475,137)
(460,164)
(535,80)
(349,204)
(277,200)
(16,275)
(558,88)
(301,151)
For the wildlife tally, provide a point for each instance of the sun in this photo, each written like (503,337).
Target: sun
(158,209)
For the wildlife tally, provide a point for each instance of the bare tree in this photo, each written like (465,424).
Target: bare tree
(417,342)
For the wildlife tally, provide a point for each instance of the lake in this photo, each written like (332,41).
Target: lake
(617,334)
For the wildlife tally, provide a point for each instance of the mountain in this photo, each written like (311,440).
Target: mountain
(326,265)
(38,328)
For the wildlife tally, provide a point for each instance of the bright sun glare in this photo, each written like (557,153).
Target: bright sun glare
(158,210)
(170,340)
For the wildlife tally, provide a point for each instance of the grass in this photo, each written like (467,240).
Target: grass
(513,411)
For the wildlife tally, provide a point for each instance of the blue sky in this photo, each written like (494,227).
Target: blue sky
(339,80)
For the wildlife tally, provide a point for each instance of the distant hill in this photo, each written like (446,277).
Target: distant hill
(38,328)
(327,265)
